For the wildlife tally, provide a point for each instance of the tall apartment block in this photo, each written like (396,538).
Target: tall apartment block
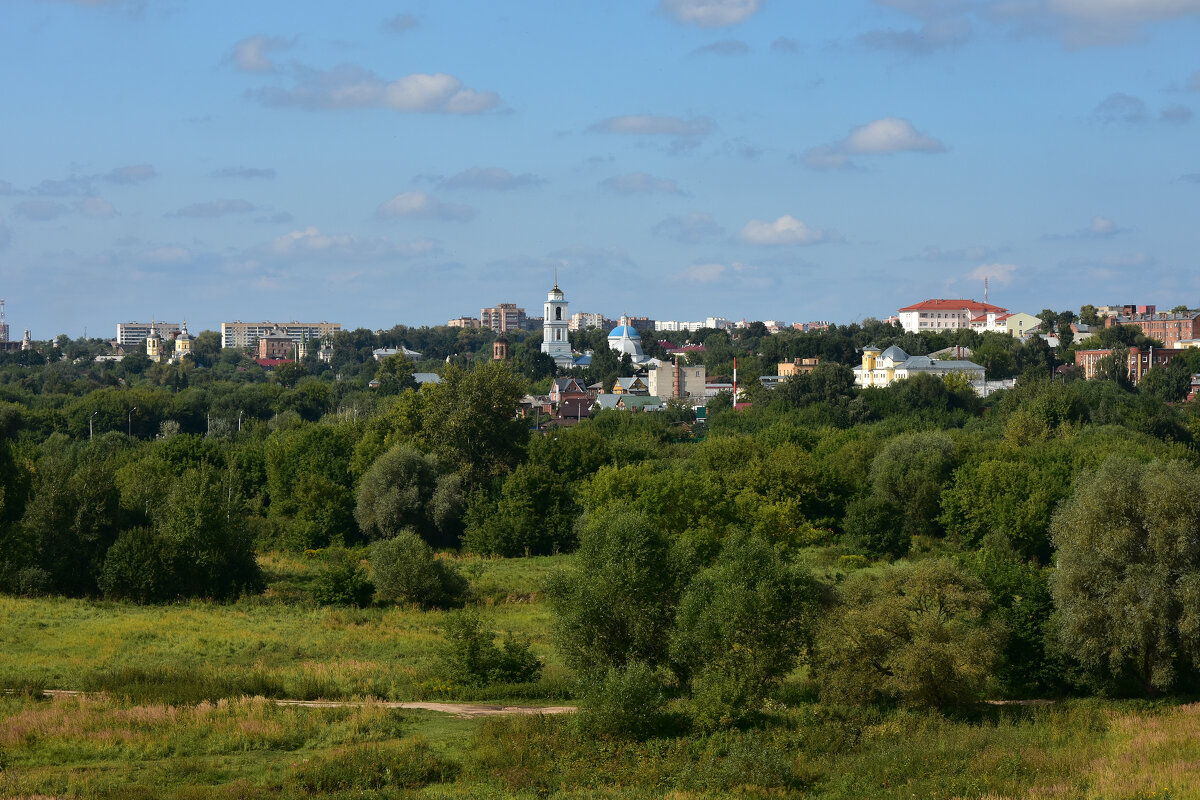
(135,333)
(502,317)
(247,334)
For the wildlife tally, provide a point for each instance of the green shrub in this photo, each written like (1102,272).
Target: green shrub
(406,571)
(135,568)
(407,764)
(342,580)
(875,526)
(470,655)
(624,702)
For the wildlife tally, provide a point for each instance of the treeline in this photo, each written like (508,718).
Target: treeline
(914,544)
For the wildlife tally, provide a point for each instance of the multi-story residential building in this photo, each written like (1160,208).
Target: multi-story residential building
(642,324)
(1140,360)
(582,320)
(675,325)
(1167,328)
(943,315)
(247,334)
(675,380)
(502,317)
(135,333)
(464,322)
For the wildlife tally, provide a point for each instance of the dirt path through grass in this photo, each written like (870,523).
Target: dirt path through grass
(463,710)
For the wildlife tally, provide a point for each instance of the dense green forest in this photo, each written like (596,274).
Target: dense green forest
(1041,541)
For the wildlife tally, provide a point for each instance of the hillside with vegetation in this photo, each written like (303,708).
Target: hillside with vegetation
(899,592)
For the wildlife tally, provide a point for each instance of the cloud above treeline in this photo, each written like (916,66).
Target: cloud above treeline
(491,178)
(214,209)
(881,137)
(422,205)
(348,86)
(640,183)
(709,13)
(787,230)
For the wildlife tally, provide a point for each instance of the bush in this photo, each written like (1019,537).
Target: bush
(408,764)
(915,634)
(626,701)
(470,655)
(874,525)
(342,580)
(406,571)
(135,568)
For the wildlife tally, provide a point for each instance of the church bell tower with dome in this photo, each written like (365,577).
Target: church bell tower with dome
(555,341)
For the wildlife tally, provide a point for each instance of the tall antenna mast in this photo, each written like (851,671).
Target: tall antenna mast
(3,323)
(985,289)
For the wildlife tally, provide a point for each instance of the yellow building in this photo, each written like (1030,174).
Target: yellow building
(183,343)
(154,347)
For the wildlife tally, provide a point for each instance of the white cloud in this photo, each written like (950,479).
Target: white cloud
(400,23)
(787,230)
(973,253)
(1102,226)
(1001,273)
(725,47)
(703,273)
(40,210)
(654,125)
(684,133)
(135,173)
(311,243)
(494,178)
(710,13)
(348,86)
(95,208)
(881,137)
(168,254)
(1176,114)
(251,55)
(889,135)
(640,183)
(248,173)
(214,209)
(1120,107)
(689,229)
(1090,23)
(421,205)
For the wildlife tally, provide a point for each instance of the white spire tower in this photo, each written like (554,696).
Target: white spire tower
(555,341)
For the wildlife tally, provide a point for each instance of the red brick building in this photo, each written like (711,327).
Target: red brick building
(1167,328)
(1139,360)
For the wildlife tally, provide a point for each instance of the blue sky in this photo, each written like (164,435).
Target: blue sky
(377,163)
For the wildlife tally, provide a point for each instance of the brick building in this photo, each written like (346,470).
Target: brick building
(1140,360)
(1167,328)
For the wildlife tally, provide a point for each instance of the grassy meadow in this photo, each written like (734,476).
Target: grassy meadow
(182,710)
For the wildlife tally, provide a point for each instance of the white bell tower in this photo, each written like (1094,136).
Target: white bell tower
(555,341)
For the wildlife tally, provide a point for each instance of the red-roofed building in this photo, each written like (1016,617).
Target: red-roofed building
(941,315)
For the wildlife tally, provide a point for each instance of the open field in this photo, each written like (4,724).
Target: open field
(250,748)
(177,716)
(277,645)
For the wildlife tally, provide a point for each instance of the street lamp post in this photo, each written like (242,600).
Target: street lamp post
(91,419)
(129,424)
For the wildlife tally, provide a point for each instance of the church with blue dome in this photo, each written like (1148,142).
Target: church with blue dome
(627,341)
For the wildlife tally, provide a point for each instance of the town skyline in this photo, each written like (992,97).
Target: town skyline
(412,162)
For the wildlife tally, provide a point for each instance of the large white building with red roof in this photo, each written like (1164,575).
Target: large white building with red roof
(942,315)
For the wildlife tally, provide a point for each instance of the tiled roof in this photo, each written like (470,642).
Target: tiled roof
(954,305)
